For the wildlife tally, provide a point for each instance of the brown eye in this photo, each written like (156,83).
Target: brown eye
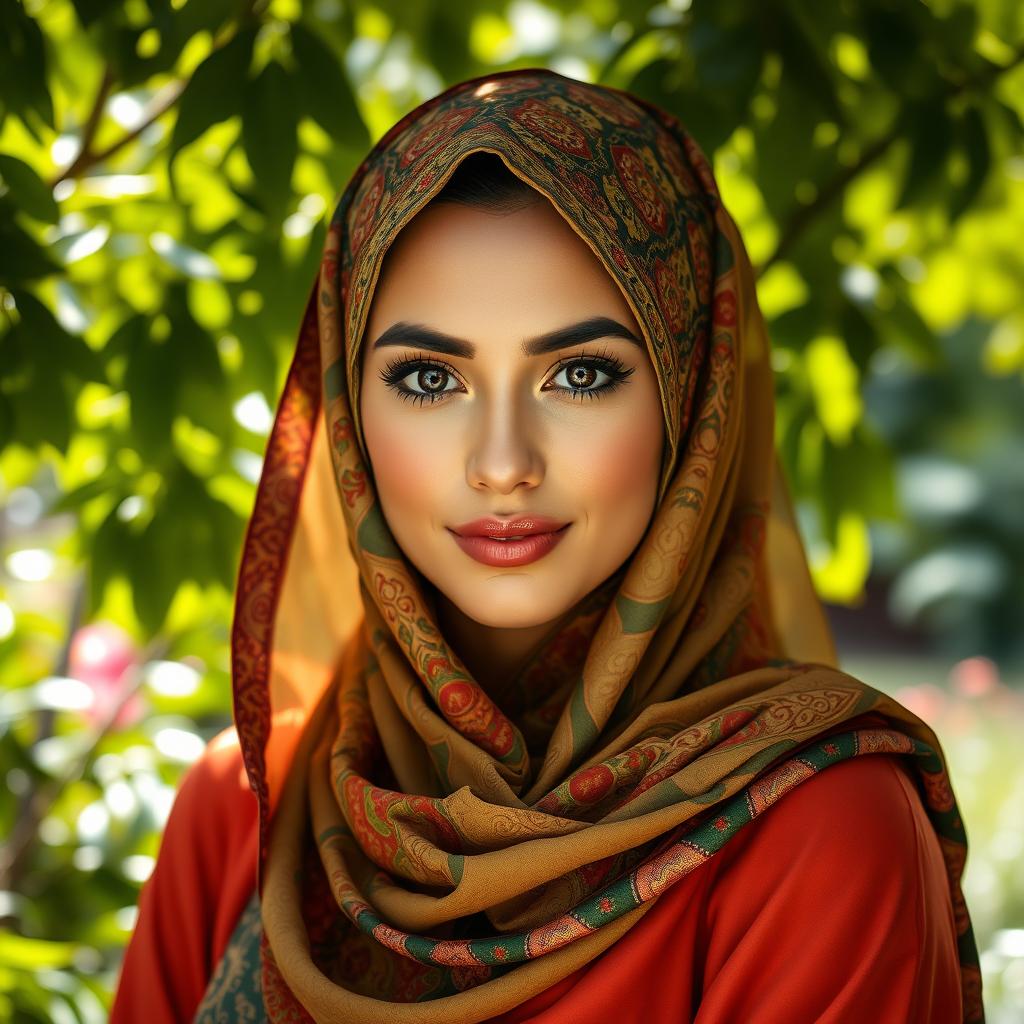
(579,375)
(431,380)
(419,380)
(591,376)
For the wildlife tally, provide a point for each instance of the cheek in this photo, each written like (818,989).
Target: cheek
(616,464)
(405,466)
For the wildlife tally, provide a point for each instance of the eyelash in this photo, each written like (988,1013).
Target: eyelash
(604,361)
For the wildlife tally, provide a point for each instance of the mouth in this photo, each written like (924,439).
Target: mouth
(513,529)
(510,549)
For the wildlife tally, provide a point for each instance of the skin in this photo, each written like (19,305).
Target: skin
(502,440)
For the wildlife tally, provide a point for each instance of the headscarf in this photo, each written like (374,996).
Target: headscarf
(426,854)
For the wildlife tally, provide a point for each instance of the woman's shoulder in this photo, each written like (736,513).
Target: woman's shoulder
(873,791)
(213,823)
(214,811)
(832,905)
(217,781)
(859,815)
(842,886)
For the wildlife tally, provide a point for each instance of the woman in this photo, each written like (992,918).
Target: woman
(534,779)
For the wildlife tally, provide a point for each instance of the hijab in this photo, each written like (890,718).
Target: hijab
(425,853)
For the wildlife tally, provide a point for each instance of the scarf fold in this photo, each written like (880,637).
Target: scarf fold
(429,851)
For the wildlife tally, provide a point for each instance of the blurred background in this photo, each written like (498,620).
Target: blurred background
(167,168)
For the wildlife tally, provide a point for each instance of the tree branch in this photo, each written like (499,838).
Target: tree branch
(158,106)
(92,123)
(804,216)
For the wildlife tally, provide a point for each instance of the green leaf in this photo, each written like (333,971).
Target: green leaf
(957,31)
(191,536)
(858,335)
(790,441)
(902,325)
(27,190)
(54,350)
(34,954)
(972,138)
(203,396)
(109,556)
(174,25)
(122,344)
(324,91)
(894,48)
(44,367)
(42,415)
(23,64)
(442,31)
(785,143)
(728,58)
(930,133)
(1005,122)
(794,328)
(805,62)
(269,133)
(153,380)
(249,197)
(90,11)
(214,92)
(110,481)
(160,558)
(21,257)
(6,418)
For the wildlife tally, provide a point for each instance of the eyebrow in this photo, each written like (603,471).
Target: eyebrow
(403,333)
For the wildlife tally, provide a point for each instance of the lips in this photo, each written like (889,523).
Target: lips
(524,526)
(525,539)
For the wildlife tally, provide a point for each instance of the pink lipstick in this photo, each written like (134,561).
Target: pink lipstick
(526,539)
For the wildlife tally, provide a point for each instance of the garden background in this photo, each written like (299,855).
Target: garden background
(167,169)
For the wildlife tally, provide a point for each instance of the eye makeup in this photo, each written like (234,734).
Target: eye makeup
(397,371)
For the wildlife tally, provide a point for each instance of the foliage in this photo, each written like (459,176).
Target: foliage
(166,171)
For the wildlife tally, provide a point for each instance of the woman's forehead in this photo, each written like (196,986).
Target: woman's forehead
(515,273)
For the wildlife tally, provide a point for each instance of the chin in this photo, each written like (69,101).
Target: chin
(522,610)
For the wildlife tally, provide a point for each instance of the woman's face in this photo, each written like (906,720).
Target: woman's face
(504,377)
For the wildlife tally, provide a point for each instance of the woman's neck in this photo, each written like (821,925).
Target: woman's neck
(495,656)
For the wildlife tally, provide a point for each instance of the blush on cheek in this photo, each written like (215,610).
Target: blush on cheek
(403,471)
(616,467)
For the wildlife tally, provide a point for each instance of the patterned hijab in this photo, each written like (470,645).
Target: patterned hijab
(426,854)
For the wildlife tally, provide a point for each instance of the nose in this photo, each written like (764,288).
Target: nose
(502,453)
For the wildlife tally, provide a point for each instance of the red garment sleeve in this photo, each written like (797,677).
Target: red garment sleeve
(835,909)
(189,906)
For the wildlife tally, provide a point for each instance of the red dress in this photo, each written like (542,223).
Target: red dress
(832,906)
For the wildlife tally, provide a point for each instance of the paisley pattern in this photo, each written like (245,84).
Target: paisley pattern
(234,994)
(520,837)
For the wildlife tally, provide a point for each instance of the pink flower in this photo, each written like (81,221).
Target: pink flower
(102,656)
(975,677)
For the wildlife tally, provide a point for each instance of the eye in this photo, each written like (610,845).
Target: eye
(591,376)
(422,379)
(418,380)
